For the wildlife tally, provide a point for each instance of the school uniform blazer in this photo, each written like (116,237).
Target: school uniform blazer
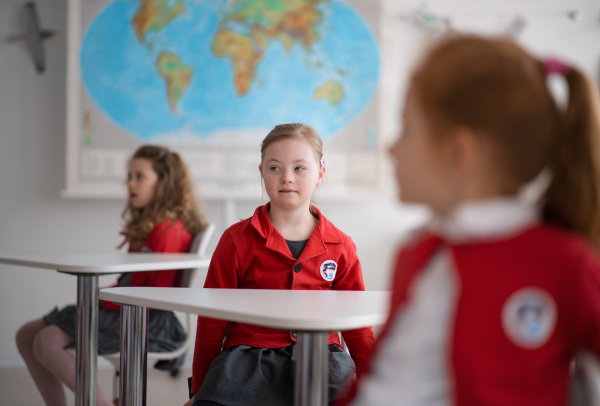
(253,255)
(166,236)
(498,354)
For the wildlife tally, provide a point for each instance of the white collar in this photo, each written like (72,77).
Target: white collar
(487,219)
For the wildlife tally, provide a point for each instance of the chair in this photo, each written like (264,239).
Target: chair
(585,380)
(185,278)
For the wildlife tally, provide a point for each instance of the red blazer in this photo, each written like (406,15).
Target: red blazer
(166,236)
(488,366)
(253,255)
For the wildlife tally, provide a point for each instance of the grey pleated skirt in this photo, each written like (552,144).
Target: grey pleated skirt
(249,376)
(165,332)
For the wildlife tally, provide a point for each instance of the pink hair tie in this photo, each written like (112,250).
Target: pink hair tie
(323,160)
(554,65)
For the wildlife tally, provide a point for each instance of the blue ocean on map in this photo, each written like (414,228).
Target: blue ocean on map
(120,73)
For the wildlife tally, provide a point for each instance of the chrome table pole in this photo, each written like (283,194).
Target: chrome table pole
(311,371)
(134,355)
(86,348)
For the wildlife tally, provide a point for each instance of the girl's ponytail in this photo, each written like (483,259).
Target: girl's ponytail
(465,80)
(573,197)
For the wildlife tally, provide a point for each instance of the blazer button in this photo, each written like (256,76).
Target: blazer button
(294,334)
(297,268)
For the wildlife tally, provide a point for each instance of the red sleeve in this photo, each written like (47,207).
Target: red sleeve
(586,303)
(166,236)
(359,341)
(223,272)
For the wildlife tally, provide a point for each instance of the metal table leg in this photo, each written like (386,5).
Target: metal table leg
(134,355)
(311,374)
(86,352)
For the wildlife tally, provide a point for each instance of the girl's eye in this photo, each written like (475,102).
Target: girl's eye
(139,176)
(274,168)
(299,168)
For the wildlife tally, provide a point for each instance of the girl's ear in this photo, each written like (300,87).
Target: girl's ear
(321,176)
(260,168)
(465,150)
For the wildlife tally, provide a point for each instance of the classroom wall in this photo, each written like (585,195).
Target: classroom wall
(33,216)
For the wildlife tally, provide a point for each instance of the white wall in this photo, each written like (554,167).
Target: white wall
(32,154)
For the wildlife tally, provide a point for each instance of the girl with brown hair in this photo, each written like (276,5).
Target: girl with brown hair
(161,216)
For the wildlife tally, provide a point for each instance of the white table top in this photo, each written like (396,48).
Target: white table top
(116,262)
(304,310)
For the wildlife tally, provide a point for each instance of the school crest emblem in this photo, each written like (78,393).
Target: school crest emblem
(529,317)
(328,270)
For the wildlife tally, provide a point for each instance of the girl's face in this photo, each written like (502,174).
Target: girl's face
(141,182)
(290,173)
(422,165)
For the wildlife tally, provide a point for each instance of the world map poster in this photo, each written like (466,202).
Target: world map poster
(210,78)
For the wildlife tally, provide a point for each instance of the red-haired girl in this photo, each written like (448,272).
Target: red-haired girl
(492,300)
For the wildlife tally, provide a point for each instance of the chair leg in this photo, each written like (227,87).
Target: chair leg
(116,384)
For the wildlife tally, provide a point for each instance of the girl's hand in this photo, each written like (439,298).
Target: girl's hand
(128,236)
(189,402)
(126,239)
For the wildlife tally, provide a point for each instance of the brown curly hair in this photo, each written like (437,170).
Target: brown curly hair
(173,197)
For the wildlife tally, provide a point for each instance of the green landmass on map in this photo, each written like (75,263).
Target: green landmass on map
(176,74)
(154,15)
(244,53)
(251,26)
(248,28)
(331,91)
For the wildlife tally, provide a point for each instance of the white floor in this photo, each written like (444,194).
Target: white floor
(17,388)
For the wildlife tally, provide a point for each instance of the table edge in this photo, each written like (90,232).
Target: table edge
(329,324)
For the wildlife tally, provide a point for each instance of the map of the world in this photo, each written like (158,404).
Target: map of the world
(189,69)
